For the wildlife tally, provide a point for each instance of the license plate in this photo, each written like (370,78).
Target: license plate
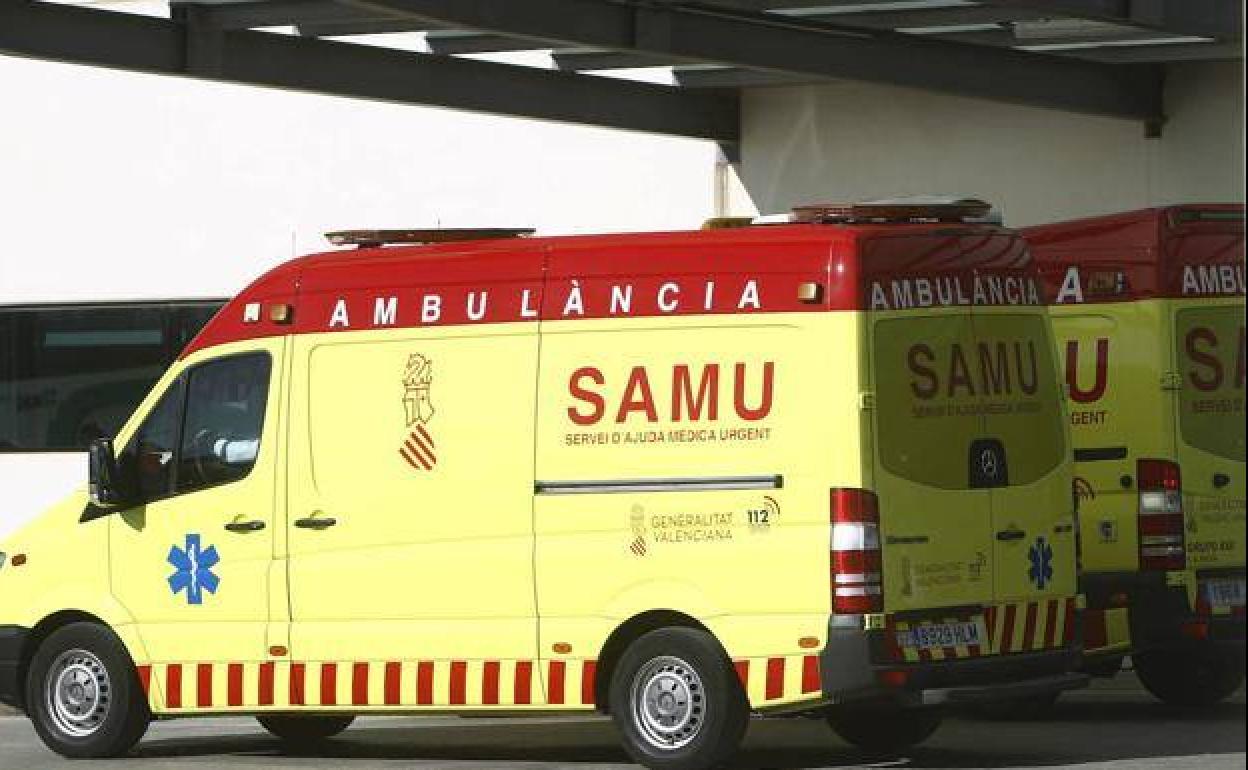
(1225,592)
(939,635)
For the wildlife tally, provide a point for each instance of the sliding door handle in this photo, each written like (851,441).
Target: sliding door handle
(1007,535)
(315,522)
(238,525)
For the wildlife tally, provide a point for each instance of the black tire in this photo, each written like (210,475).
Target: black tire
(883,729)
(300,729)
(83,693)
(707,709)
(1191,678)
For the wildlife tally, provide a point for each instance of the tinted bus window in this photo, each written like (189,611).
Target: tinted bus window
(69,374)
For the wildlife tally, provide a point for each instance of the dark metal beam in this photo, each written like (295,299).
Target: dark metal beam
(808,49)
(456,42)
(929,17)
(733,77)
(1219,19)
(1172,52)
(146,44)
(583,61)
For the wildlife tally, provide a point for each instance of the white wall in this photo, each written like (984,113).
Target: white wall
(851,141)
(119,185)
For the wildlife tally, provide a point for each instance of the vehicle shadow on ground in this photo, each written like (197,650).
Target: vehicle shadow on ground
(1074,733)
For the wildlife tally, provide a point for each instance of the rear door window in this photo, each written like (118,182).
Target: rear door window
(1016,378)
(927,383)
(1210,353)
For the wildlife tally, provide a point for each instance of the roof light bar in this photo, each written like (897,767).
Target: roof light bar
(919,209)
(368,239)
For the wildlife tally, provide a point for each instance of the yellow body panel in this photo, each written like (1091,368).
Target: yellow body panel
(460,517)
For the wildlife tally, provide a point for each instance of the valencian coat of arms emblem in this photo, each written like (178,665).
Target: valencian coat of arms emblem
(418,449)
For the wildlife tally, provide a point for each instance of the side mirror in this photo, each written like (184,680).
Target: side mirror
(104,484)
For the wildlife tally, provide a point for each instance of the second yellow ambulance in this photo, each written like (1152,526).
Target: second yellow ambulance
(1149,318)
(815,468)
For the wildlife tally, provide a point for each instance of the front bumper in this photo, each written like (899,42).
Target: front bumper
(12,640)
(852,669)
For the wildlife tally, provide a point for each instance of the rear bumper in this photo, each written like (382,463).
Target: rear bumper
(851,672)
(12,640)
(1160,615)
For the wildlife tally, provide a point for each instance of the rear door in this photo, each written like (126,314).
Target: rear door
(1032,505)
(1209,354)
(936,530)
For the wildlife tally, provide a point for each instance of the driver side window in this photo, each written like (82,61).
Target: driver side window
(205,429)
(225,403)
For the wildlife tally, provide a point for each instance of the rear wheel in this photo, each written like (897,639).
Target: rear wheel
(83,694)
(677,702)
(301,729)
(884,729)
(1191,678)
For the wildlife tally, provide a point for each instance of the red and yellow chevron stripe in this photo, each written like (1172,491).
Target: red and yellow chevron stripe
(1009,627)
(424,684)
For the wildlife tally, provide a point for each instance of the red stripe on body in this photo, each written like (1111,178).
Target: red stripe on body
(990,624)
(1050,623)
(524,683)
(145,680)
(413,456)
(810,674)
(1007,628)
(1068,633)
(489,683)
(1029,626)
(394,676)
(173,683)
(925,655)
(459,682)
(203,685)
(329,684)
(775,678)
(589,670)
(1095,634)
(425,435)
(556,682)
(298,697)
(234,684)
(424,683)
(743,673)
(359,684)
(266,683)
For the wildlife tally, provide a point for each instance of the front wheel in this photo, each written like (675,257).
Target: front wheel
(1191,678)
(83,693)
(883,729)
(300,729)
(677,702)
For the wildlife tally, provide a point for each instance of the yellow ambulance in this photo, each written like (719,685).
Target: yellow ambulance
(812,468)
(1148,309)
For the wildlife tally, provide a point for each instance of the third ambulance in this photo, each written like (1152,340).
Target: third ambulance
(1148,308)
(816,468)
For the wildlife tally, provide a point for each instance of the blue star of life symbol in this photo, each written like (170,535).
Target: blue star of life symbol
(1041,557)
(193,565)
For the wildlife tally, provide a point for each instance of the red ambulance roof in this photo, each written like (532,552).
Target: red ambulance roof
(771,268)
(1189,251)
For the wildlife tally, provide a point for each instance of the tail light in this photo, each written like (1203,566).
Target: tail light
(857,585)
(1161,515)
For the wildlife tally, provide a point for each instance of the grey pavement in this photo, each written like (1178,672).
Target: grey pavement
(1114,725)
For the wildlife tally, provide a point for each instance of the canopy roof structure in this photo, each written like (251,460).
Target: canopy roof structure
(1102,57)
